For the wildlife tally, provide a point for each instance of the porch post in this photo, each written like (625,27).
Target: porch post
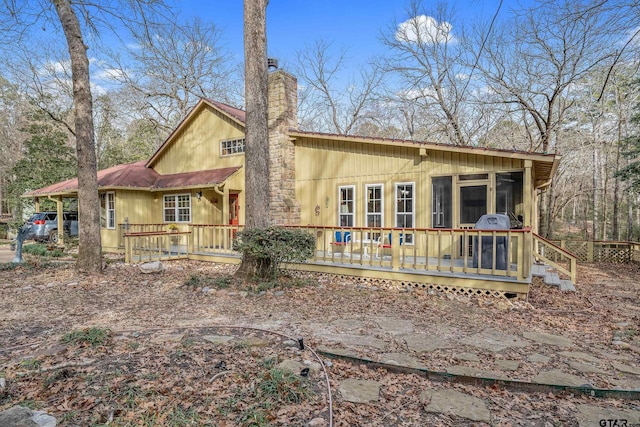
(225,206)
(60,221)
(37,200)
(529,202)
(225,217)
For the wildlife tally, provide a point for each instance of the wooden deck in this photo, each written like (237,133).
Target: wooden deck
(450,260)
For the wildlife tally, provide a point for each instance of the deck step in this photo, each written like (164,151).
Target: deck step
(539,270)
(551,278)
(567,285)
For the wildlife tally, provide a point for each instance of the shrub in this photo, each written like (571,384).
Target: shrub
(39,249)
(264,250)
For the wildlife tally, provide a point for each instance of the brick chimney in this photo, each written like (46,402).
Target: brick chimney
(283,115)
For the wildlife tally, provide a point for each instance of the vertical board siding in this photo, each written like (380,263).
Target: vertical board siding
(197,145)
(322,166)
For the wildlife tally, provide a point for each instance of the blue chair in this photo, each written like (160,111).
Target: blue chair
(342,239)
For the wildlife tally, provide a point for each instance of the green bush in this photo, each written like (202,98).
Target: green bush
(39,249)
(268,248)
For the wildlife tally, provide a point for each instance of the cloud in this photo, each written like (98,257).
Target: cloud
(425,29)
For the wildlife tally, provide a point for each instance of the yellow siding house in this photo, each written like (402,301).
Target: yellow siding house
(354,193)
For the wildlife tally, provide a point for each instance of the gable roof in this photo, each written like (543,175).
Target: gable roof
(545,164)
(236,115)
(137,175)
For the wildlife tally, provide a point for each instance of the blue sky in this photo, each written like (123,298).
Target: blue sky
(352,24)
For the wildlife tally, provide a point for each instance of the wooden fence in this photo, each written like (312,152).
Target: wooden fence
(602,251)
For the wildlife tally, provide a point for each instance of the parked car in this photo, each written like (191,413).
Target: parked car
(44,226)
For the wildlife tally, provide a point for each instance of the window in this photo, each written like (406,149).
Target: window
(474,177)
(108,210)
(177,208)
(111,210)
(509,193)
(404,208)
(346,208)
(441,201)
(231,146)
(374,209)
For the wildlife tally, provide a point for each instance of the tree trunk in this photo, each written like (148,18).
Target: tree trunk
(257,213)
(543,201)
(629,215)
(616,189)
(90,246)
(594,197)
(257,132)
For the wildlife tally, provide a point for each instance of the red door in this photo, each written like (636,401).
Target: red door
(234,209)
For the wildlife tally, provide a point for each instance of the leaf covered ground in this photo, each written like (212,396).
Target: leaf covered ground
(128,349)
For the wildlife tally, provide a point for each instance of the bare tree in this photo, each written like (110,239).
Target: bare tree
(170,66)
(430,60)
(328,102)
(17,21)
(90,251)
(533,61)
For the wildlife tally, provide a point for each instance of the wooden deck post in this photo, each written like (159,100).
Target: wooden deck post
(590,251)
(395,249)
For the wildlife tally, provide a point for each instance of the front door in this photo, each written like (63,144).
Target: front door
(234,209)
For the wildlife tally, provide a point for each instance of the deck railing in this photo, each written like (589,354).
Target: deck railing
(484,252)
(213,239)
(138,228)
(504,253)
(556,256)
(155,246)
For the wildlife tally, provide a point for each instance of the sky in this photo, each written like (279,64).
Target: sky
(355,25)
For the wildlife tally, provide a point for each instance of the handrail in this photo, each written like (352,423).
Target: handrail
(571,271)
(559,248)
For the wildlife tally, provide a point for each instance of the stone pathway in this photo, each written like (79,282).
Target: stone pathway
(475,355)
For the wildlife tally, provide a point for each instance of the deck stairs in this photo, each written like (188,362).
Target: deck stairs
(551,277)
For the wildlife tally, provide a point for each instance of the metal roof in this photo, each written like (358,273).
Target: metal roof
(137,175)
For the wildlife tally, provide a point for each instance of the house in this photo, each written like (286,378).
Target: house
(375,189)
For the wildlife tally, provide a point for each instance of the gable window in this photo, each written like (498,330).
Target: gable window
(346,207)
(374,209)
(108,210)
(177,208)
(405,201)
(231,146)
(441,202)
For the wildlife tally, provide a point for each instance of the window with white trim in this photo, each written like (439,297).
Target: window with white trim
(405,201)
(111,210)
(177,208)
(374,215)
(108,210)
(231,146)
(346,205)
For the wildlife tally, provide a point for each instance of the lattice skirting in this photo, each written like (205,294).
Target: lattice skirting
(400,285)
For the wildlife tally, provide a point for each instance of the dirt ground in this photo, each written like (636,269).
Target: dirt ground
(158,366)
